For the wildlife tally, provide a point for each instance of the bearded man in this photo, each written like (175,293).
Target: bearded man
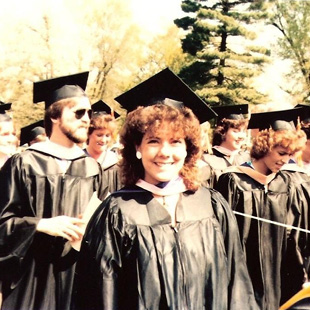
(45,189)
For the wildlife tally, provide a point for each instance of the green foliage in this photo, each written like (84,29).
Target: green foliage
(195,41)
(222,62)
(291,18)
(190,6)
(197,74)
(99,36)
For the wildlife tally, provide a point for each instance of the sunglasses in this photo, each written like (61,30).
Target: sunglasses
(80,113)
(100,113)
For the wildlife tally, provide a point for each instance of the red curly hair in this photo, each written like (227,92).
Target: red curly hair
(292,140)
(146,119)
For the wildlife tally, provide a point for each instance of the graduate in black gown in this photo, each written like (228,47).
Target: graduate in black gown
(163,241)
(32,133)
(297,174)
(275,255)
(228,141)
(44,189)
(102,138)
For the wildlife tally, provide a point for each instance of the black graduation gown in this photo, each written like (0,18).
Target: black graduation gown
(219,162)
(113,176)
(298,242)
(111,170)
(131,258)
(274,259)
(37,269)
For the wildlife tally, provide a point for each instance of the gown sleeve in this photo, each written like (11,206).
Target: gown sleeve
(227,187)
(102,187)
(113,178)
(304,244)
(296,259)
(17,218)
(240,201)
(240,283)
(100,261)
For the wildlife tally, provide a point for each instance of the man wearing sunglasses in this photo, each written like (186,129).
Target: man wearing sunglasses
(45,190)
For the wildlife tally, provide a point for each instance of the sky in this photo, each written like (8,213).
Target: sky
(155,15)
(152,15)
(273,79)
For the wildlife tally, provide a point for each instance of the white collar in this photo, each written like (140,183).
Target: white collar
(225,151)
(57,150)
(173,187)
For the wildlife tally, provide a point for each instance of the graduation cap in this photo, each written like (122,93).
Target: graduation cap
(56,89)
(101,106)
(277,120)
(4,107)
(30,132)
(167,87)
(305,117)
(233,112)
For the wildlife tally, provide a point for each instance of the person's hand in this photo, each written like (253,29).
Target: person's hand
(62,226)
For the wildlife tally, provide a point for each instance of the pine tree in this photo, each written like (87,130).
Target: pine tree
(220,62)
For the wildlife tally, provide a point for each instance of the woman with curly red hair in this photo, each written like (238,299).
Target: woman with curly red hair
(163,241)
(267,206)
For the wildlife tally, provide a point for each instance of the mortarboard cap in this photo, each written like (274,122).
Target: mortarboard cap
(305,117)
(234,112)
(167,87)
(4,107)
(277,120)
(101,106)
(56,89)
(30,132)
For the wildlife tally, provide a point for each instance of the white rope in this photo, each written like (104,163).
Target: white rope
(272,222)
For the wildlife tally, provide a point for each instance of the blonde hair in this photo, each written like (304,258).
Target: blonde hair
(292,140)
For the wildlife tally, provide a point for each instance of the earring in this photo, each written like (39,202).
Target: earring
(138,155)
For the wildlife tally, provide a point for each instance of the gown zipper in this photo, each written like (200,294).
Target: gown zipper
(186,302)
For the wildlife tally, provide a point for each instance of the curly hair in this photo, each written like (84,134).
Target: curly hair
(146,119)
(292,140)
(220,131)
(102,120)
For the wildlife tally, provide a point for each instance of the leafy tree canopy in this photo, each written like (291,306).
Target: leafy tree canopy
(291,18)
(220,63)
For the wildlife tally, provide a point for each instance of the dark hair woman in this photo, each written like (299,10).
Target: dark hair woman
(163,241)
(229,141)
